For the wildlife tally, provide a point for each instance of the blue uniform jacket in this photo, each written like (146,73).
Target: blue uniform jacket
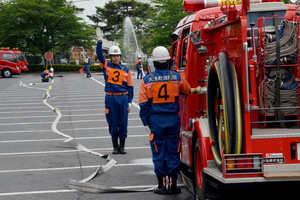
(180,84)
(127,83)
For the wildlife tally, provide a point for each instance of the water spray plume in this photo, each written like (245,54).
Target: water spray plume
(130,44)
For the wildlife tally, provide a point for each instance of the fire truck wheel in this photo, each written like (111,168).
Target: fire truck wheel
(223,109)
(6,73)
(201,185)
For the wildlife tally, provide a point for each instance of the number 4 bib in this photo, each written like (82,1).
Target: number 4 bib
(163,92)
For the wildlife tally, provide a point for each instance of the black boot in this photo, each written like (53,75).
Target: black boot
(172,187)
(161,188)
(115,146)
(122,145)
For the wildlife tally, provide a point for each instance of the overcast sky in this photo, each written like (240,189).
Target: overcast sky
(89,7)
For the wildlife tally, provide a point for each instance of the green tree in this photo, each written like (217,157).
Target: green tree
(42,25)
(161,25)
(110,18)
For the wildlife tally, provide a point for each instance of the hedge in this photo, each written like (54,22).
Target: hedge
(69,68)
(59,68)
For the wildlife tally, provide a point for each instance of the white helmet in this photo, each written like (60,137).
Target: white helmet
(160,54)
(139,56)
(51,69)
(114,50)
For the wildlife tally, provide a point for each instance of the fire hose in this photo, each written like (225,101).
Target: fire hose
(288,98)
(70,142)
(288,88)
(288,42)
(83,184)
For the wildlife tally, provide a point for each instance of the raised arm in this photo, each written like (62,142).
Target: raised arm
(99,52)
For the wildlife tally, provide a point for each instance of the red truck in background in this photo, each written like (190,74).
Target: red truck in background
(21,59)
(243,127)
(8,64)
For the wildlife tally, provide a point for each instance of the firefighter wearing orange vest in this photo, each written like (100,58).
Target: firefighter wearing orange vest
(119,95)
(139,67)
(47,74)
(158,100)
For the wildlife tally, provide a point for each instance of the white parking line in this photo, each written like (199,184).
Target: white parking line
(70,168)
(56,102)
(64,116)
(43,111)
(36,192)
(61,122)
(46,116)
(98,81)
(41,107)
(66,151)
(77,138)
(67,191)
(60,96)
(73,129)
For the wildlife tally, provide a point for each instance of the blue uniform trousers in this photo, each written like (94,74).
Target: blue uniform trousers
(164,146)
(117,116)
(139,72)
(87,69)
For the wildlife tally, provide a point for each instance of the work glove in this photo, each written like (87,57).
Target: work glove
(198,90)
(147,129)
(99,33)
(129,107)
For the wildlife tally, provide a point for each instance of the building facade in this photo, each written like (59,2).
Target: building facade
(78,55)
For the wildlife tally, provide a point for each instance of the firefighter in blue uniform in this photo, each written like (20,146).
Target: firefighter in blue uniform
(119,94)
(158,100)
(139,67)
(87,64)
(47,74)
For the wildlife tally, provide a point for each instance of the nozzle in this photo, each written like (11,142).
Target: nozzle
(198,90)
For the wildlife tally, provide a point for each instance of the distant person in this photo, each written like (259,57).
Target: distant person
(119,94)
(48,74)
(139,67)
(87,64)
(159,103)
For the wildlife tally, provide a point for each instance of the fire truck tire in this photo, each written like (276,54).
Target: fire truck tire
(6,73)
(223,109)
(201,186)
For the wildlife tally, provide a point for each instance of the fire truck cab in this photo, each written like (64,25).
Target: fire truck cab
(21,59)
(8,64)
(242,124)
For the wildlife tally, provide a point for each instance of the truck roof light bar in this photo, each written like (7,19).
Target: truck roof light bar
(196,5)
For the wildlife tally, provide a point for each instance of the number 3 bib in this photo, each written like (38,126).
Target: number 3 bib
(115,76)
(163,92)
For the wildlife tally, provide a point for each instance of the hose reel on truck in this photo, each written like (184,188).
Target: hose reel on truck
(224,109)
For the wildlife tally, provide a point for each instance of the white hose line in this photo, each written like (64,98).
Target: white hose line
(82,185)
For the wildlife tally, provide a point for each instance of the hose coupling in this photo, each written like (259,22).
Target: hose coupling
(198,90)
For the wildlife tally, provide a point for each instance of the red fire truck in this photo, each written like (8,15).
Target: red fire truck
(21,59)
(8,64)
(243,127)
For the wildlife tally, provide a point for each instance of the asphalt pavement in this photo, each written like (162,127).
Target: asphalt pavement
(34,168)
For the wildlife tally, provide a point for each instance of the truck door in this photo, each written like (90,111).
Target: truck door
(181,67)
(183,52)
